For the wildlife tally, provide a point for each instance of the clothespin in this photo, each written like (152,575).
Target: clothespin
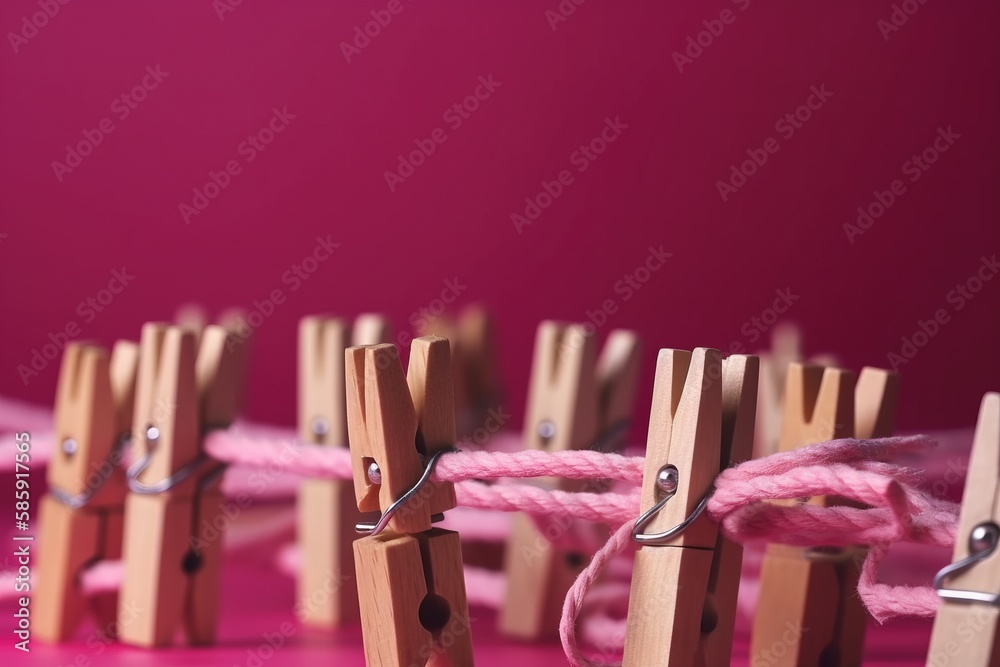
(81,516)
(575,401)
(410,579)
(473,355)
(786,347)
(809,612)
(682,607)
(174,513)
(966,627)
(327,512)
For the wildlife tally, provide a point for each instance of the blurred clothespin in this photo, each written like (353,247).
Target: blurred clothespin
(682,607)
(966,627)
(786,348)
(808,610)
(81,516)
(473,357)
(174,513)
(327,512)
(575,401)
(410,580)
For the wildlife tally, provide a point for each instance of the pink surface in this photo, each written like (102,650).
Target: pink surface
(258,602)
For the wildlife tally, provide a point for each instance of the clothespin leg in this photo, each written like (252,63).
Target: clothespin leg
(70,540)
(151,601)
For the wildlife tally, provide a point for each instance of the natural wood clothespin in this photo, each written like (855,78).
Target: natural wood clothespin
(682,607)
(410,579)
(473,356)
(174,520)
(575,401)
(808,610)
(81,516)
(966,627)
(327,512)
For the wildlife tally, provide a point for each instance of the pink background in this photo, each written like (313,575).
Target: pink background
(324,175)
(655,185)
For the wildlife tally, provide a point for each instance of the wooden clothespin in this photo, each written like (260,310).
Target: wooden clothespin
(174,513)
(786,347)
(808,611)
(327,512)
(575,401)
(81,516)
(682,607)
(410,579)
(966,627)
(473,356)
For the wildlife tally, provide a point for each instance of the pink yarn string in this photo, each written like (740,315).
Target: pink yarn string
(854,469)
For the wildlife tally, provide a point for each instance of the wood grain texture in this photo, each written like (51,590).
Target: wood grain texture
(71,540)
(808,609)
(966,633)
(678,615)
(579,397)
(326,510)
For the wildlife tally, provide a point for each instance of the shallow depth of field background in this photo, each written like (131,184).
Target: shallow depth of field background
(450,221)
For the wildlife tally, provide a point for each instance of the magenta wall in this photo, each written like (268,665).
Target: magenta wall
(885,94)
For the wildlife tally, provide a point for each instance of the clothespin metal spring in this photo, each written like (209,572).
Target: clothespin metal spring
(164,485)
(982,543)
(666,481)
(375,476)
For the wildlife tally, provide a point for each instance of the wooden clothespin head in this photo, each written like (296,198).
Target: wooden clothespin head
(474,359)
(966,626)
(575,401)
(173,513)
(810,595)
(410,579)
(81,517)
(326,509)
(682,607)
